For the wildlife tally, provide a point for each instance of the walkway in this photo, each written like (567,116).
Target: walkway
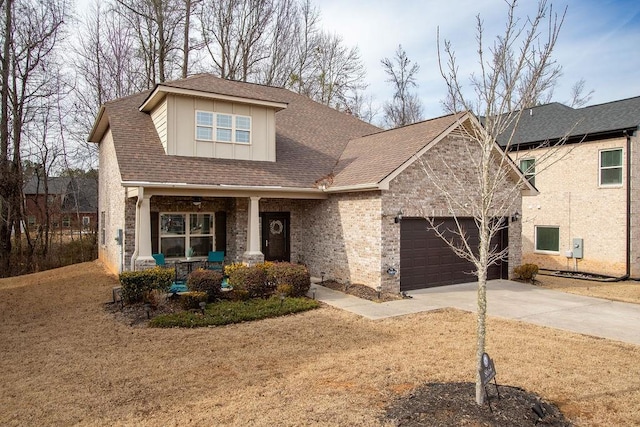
(511,300)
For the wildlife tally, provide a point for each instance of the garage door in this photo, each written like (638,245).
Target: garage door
(426,261)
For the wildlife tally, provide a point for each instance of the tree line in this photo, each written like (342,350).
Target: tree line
(57,67)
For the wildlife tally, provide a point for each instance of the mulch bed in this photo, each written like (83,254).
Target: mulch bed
(453,404)
(360,291)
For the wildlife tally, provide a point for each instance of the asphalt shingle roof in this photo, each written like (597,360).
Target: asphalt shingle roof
(313,142)
(553,121)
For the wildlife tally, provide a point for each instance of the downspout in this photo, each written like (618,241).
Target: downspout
(628,224)
(136,244)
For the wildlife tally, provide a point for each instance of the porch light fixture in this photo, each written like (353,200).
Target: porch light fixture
(391,271)
(515,217)
(197,202)
(398,217)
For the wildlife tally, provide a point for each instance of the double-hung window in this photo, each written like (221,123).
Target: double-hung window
(547,239)
(528,168)
(221,127)
(179,231)
(611,167)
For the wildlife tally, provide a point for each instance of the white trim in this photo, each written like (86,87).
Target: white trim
(160,91)
(222,190)
(621,167)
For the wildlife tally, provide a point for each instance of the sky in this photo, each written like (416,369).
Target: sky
(599,41)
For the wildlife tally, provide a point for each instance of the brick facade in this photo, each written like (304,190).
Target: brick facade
(572,199)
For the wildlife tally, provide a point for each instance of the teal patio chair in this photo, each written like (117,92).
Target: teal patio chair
(178,285)
(160,262)
(215,261)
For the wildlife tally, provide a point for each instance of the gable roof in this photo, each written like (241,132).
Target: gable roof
(370,159)
(309,140)
(77,193)
(551,122)
(315,144)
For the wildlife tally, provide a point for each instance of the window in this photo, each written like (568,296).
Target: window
(103,217)
(31,220)
(204,125)
(528,168)
(611,167)
(66,222)
(85,221)
(547,239)
(228,127)
(179,231)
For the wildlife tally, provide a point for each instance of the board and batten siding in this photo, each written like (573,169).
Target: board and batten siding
(159,117)
(181,124)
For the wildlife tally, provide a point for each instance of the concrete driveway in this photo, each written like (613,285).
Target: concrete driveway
(512,300)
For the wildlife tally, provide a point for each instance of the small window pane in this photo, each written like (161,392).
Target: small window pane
(243,136)
(204,118)
(204,133)
(243,123)
(611,158)
(223,120)
(201,245)
(548,239)
(200,224)
(611,176)
(223,135)
(172,247)
(172,224)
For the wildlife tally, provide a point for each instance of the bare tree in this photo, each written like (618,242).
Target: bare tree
(405,107)
(31,34)
(510,78)
(578,97)
(158,24)
(337,71)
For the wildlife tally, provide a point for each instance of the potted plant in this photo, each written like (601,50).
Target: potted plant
(189,253)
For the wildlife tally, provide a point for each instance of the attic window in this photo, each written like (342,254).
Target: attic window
(223,127)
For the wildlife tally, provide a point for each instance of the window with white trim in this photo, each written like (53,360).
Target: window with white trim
(66,222)
(547,239)
(221,127)
(528,168)
(179,231)
(86,221)
(611,167)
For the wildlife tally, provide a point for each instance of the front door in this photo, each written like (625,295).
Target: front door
(275,236)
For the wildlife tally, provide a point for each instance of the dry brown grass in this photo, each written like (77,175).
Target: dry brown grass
(628,291)
(67,361)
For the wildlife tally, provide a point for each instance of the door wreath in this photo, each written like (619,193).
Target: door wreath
(276,227)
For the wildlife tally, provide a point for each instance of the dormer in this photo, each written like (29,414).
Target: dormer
(208,124)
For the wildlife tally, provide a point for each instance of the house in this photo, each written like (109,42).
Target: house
(586,215)
(263,173)
(71,202)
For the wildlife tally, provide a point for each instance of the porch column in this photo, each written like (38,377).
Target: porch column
(144,222)
(253,255)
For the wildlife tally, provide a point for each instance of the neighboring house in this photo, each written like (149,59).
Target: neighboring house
(586,215)
(72,203)
(263,173)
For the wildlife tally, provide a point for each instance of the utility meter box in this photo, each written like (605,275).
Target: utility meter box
(578,248)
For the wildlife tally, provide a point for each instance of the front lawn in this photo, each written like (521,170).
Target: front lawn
(228,312)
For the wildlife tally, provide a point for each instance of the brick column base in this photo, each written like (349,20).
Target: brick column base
(252,259)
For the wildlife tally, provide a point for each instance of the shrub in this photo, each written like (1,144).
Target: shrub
(295,275)
(227,312)
(137,284)
(251,279)
(208,281)
(192,300)
(526,272)
(285,289)
(230,268)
